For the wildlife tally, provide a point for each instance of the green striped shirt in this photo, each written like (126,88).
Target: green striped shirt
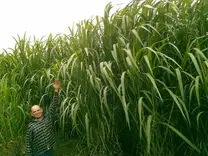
(40,135)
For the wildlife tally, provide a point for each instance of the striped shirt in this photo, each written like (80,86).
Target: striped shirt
(40,135)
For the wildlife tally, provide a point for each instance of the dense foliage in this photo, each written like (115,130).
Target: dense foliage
(133,83)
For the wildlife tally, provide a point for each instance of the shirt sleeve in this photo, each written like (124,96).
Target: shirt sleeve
(53,107)
(29,142)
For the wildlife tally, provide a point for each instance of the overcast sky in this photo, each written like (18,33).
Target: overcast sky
(41,17)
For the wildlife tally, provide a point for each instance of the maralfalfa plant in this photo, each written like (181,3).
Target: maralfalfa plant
(133,82)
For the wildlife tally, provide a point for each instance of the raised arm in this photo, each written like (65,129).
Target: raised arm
(54,104)
(56,85)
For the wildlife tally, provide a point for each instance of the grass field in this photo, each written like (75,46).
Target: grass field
(134,83)
(62,148)
(68,148)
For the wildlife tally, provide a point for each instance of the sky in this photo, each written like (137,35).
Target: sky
(41,17)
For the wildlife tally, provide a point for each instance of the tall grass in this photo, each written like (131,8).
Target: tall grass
(133,82)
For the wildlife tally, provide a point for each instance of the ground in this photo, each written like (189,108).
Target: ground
(68,148)
(63,148)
